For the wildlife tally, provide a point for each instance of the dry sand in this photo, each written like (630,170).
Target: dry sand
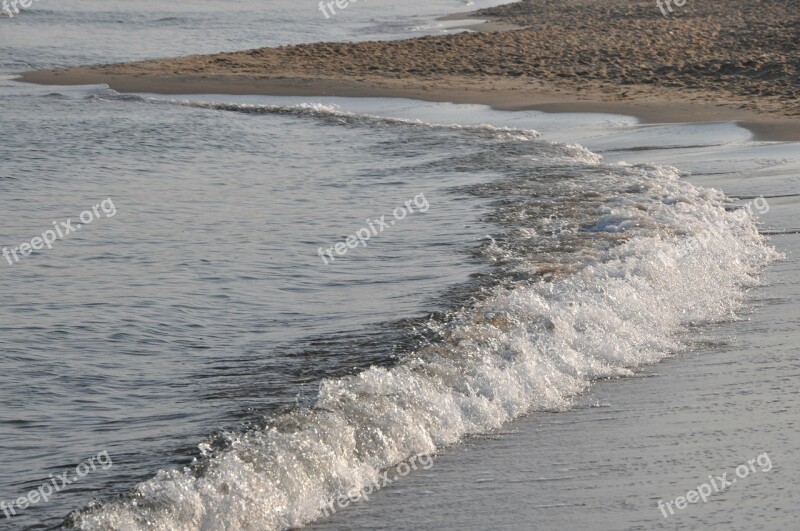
(722,61)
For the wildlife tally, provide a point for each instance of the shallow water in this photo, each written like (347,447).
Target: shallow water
(634,442)
(198,324)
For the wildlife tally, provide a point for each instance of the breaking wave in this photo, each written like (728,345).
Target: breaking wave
(595,270)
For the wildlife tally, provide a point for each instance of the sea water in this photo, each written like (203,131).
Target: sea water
(200,332)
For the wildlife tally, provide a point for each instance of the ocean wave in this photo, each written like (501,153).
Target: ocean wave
(331,114)
(591,279)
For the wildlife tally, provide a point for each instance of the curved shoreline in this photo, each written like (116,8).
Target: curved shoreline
(764,128)
(569,56)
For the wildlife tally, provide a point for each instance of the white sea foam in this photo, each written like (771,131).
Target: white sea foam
(329,113)
(527,346)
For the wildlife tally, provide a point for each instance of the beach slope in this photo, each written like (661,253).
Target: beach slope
(722,61)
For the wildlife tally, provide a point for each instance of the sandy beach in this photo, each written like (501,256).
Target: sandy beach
(701,62)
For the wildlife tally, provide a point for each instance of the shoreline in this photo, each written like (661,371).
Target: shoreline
(572,56)
(551,99)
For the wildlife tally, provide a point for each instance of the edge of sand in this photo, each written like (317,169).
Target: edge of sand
(471,21)
(510,95)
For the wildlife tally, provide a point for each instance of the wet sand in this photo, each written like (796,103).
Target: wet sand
(736,61)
